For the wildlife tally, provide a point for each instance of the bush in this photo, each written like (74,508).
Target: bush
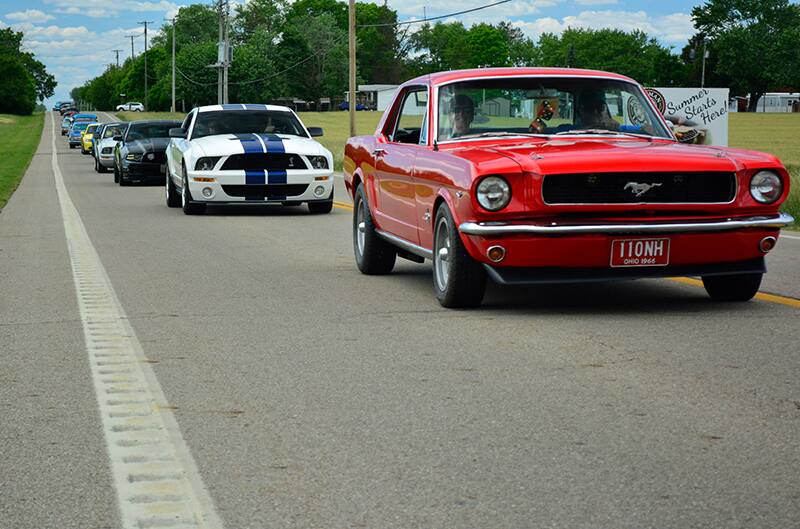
(17,91)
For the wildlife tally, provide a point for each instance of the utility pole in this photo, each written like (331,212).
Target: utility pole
(117,53)
(352,51)
(705,55)
(145,22)
(133,55)
(226,58)
(220,56)
(172,107)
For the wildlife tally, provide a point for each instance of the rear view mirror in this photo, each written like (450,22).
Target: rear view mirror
(315,131)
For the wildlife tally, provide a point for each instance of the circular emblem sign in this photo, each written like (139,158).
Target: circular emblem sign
(658,99)
(635,111)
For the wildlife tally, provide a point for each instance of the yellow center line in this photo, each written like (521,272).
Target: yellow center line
(762,296)
(343,205)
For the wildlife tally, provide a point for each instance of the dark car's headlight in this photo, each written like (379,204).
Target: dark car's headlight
(493,193)
(318,162)
(207,163)
(134,157)
(766,187)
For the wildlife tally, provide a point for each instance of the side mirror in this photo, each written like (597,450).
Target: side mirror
(315,131)
(177,133)
(117,138)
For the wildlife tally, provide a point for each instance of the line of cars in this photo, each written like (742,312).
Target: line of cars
(519,175)
(246,154)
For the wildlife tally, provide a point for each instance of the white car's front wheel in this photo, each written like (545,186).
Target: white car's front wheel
(189,207)
(173,198)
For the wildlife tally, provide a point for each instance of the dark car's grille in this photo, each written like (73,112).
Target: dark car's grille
(270,161)
(157,157)
(265,191)
(632,188)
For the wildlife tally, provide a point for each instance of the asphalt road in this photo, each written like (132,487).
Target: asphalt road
(311,396)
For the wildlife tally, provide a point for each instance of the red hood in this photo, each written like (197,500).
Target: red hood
(576,155)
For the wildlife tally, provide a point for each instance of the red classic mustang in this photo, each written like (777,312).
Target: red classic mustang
(538,175)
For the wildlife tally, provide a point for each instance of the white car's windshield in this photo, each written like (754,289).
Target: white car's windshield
(247,121)
(546,106)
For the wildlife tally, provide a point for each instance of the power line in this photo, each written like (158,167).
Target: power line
(425,19)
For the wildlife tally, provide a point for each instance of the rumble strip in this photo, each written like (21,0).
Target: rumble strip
(155,477)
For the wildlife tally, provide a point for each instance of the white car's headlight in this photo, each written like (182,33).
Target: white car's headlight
(766,187)
(318,162)
(493,193)
(206,163)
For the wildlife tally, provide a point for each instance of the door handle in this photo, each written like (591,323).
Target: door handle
(378,151)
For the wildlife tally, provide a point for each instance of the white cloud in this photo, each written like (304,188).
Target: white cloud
(33,16)
(106,9)
(671,29)
(595,2)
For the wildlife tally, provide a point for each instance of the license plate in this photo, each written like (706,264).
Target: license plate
(163,168)
(639,252)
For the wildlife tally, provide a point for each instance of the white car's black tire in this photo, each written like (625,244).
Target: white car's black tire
(189,207)
(172,195)
(458,280)
(374,256)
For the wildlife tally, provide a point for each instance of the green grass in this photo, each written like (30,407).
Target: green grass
(135,116)
(776,134)
(19,138)
(336,126)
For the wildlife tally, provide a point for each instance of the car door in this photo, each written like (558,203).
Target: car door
(394,166)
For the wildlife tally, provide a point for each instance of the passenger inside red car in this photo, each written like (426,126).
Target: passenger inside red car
(592,112)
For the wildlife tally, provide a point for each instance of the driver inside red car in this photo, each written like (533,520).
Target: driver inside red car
(592,112)
(462,112)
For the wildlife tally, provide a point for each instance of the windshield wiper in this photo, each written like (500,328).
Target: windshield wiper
(498,133)
(581,132)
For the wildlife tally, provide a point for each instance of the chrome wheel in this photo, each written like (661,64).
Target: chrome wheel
(361,228)
(442,253)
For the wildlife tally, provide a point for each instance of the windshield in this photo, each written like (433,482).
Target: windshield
(244,121)
(90,129)
(113,130)
(79,126)
(141,131)
(549,106)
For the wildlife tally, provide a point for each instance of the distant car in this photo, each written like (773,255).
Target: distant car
(66,123)
(247,154)
(131,106)
(66,107)
(84,117)
(346,106)
(86,138)
(104,145)
(75,135)
(139,154)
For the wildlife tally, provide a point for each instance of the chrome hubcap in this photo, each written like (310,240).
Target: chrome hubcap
(442,253)
(361,227)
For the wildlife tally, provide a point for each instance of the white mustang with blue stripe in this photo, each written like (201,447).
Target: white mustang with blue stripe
(247,154)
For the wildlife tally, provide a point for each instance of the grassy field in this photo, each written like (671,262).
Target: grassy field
(778,134)
(19,138)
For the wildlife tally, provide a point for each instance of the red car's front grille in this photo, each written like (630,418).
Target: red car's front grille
(638,188)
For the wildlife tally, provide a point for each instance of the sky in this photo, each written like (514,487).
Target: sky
(75,39)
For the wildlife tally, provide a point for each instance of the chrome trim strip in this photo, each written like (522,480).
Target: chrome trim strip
(499,228)
(405,245)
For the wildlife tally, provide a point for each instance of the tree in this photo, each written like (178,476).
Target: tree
(254,76)
(258,15)
(755,42)
(17,91)
(44,83)
(634,54)
(379,55)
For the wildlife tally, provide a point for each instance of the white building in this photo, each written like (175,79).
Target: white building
(374,96)
(778,102)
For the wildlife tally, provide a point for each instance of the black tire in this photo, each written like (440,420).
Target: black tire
(458,280)
(321,207)
(189,207)
(374,256)
(122,180)
(173,198)
(735,287)
(101,168)
(96,165)
(116,174)
(71,146)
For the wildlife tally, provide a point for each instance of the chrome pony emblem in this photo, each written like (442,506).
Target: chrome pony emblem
(639,189)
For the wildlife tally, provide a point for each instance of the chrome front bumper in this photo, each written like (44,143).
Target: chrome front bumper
(489,229)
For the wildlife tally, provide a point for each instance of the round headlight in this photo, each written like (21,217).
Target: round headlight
(766,187)
(493,193)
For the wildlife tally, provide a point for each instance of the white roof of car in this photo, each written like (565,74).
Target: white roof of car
(243,106)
